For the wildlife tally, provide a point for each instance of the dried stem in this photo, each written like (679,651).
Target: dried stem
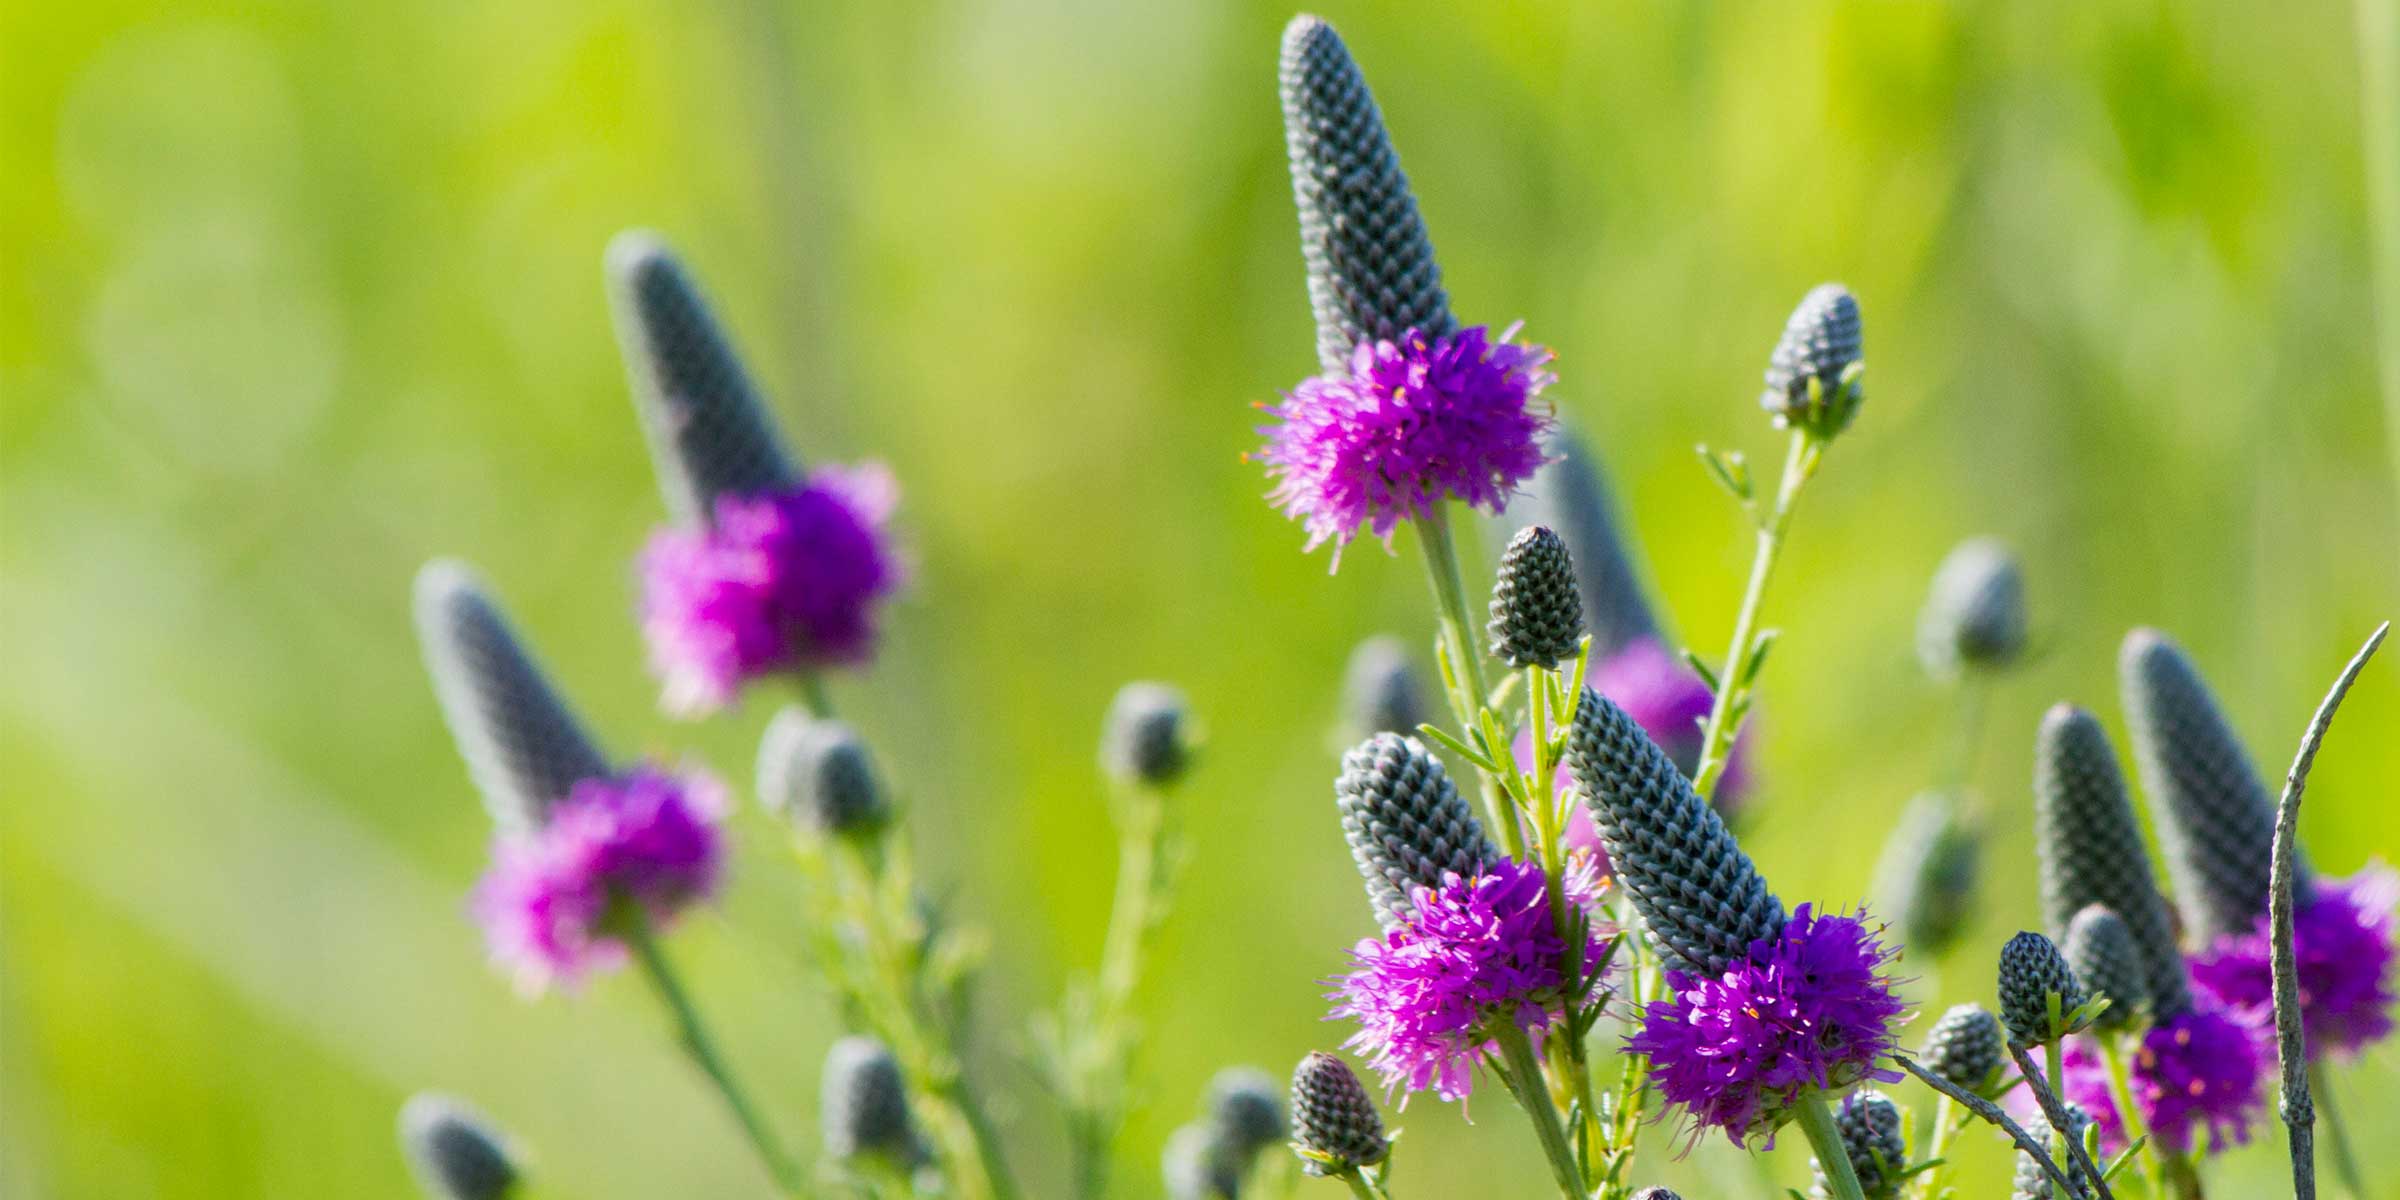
(2055,1111)
(1997,1117)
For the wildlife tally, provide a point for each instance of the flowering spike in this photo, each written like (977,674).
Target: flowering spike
(1571,495)
(524,749)
(1869,1124)
(1701,899)
(1812,378)
(1371,272)
(818,775)
(710,435)
(1537,617)
(1380,691)
(2100,951)
(2215,817)
(2092,852)
(1147,736)
(2031,972)
(1928,872)
(863,1108)
(1406,823)
(1332,1116)
(1964,1048)
(1974,617)
(2031,1182)
(454,1153)
(2343,954)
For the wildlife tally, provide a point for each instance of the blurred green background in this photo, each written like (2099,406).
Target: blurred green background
(298,295)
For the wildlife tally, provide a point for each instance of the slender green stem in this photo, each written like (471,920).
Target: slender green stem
(1967,734)
(1365,1186)
(1472,692)
(2052,1054)
(2120,1097)
(1816,1120)
(2345,1167)
(1133,914)
(1716,742)
(697,1043)
(813,695)
(1517,1052)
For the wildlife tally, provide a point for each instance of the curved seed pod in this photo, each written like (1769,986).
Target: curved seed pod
(1965,1048)
(524,749)
(1974,617)
(1869,1124)
(1380,692)
(2100,950)
(2031,971)
(1571,495)
(1147,736)
(1537,617)
(864,1108)
(819,775)
(2215,817)
(453,1152)
(1332,1115)
(1405,822)
(709,431)
(1809,385)
(2092,852)
(1700,897)
(2031,1182)
(1371,273)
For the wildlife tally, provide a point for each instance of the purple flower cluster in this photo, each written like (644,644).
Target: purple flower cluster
(2197,1070)
(1669,702)
(1413,423)
(1476,951)
(2343,944)
(783,581)
(641,846)
(1810,1009)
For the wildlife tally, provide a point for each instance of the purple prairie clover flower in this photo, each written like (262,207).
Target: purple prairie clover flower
(640,846)
(2342,940)
(778,581)
(1410,424)
(1809,1009)
(2197,1071)
(1476,951)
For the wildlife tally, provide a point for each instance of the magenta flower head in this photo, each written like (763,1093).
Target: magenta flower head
(2342,938)
(641,846)
(2195,1072)
(1410,424)
(1476,954)
(779,581)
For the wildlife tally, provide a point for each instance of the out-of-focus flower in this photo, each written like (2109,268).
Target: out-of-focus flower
(2341,943)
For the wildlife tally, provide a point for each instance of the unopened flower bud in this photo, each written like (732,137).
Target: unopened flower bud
(1333,1116)
(1965,1048)
(1974,616)
(454,1154)
(1537,615)
(817,774)
(1148,737)
(2032,972)
(864,1106)
(1813,376)
(2100,951)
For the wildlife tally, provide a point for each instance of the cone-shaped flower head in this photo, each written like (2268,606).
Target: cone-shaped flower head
(453,1152)
(641,846)
(1246,1107)
(1928,872)
(2091,848)
(2031,1182)
(1655,1193)
(1147,737)
(863,1108)
(523,748)
(2034,979)
(2342,943)
(2215,818)
(1704,904)
(1965,1048)
(1537,617)
(2100,951)
(818,774)
(1380,691)
(1571,495)
(1474,955)
(1974,618)
(1407,826)
(1812,377)
(781,581)
(1869,1124)
(1670,703)
(1196,1165)
(2198,1071)
(1371,274)
(1332,1116)
(710,435)
(1809,1008)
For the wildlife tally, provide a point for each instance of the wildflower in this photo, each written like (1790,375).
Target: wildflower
(1928,871)
(2195,1072)
(1812,377)
(1537,617)
(2342,944)
(639,847)
(1208,1159)
(1245,1108)
(2092,851)
(1974,617)
(1408,828)
(2030,1181)
(1965,1048)
(1570,494)
(1669,702)
(2100,951)
(1869,1125)
(1477,954)
(1147,736)
(2032,971)
(863,1108)
(453,1152)
(1380,692)
(1333,1122)
(817,774)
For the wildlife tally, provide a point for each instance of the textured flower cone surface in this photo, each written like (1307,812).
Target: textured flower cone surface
(2031,971)
(864,1105)
(1965,1047)
(1371,274)
(1822,338)
(1537,617)
(1975,614)
(1406,822)
(2215,817)
(819,775)
(1700,897)
(2101,952)
(709,431)
(1332,1115)
(2031,1182)
(452,1152)
(1870,1127)
(1571,495)
(523,748)
(2092,852)
(1146,736)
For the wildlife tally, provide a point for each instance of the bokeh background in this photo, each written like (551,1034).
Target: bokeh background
(297,295)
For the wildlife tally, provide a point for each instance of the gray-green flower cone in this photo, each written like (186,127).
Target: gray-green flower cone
(1147,736)
(524,749)
(1371,273)
(2100,950)
(1195,1165)
(1700,897)
(1537,617)
(2031,971)
(1405,822)
(2215,817)
(1571,495)
(818,774)
(1820,342)
(2091,848)
(1974,615)
(1380,691)
(453,1152)
(863,1109)
(1926,877)
(2031,1182)
(1869,1124)
(1332,1115)
(1246,1109)
(1965,1048)
(709,431)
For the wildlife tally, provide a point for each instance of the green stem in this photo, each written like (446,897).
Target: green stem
(814,697)
(1365,1186)
(2345,1167)
(703,1051)
(1517,1051)
(1141,850)
(1466,657)
(2056,1080)
(1816,1120)
(2129,1118)
(1716,742)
